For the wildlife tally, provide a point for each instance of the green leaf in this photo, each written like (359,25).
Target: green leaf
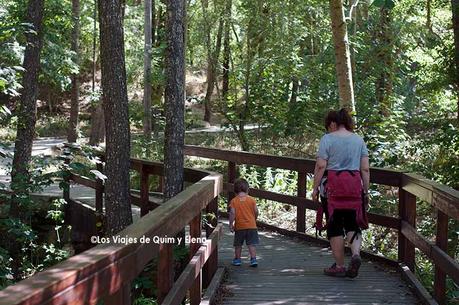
(77,166)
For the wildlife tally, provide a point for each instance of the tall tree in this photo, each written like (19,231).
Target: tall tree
(384,82)
(226,50)
(455,9)
(72,134)
(175,98)
(26,113)
(212,56)
(147,90)
(342,55)
(28,103)
(115,104)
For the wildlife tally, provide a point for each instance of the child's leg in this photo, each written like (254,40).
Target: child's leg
(237,252)
(252,251)
(356,243)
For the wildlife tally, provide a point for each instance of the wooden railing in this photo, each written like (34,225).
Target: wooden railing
(105,272)
(411,188)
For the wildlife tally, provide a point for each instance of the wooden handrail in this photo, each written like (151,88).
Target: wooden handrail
(104,270)
(378,175)
(440,196)
(193,269)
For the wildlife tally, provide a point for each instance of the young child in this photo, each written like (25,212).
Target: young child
(243,213)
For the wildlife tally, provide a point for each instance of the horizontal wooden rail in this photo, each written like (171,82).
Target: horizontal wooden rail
(193,269)
(378,175)
(441,197)
(441,258)
(104,269)
(83,180)
(377,219)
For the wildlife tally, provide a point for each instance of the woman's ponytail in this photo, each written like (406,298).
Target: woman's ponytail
(345,119)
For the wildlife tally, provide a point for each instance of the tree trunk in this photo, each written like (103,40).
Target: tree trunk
(174,98)
(455,9)
(212,72)
(384,54)
(97,134)
(94,47)
(226,50)
(153,23)
(147,70)
(26,122)
(342,55)
(210,69)
(28,103)
(429,15)
(115,104)
(292,114)
(74,107)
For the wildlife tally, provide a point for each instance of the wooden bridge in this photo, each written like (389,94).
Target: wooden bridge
(291,262)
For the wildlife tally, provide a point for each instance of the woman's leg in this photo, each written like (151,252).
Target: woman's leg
(337,245)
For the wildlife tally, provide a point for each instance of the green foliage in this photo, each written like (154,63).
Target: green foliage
(384,3)
(142,300)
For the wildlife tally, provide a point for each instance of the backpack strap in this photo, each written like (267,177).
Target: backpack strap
(355,236)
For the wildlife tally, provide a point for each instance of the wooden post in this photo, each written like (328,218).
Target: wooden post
(165,278)
(99,190)
(231,179)
(66,190)
(144,191)
(210,267)
(301,211)
(442,243)
(121,297)
(99,196)
(160,185)
(407,212)
(196,288)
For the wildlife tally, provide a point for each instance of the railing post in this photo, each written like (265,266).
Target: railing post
(407,212)
(442,243)
(99,196)
(160,184)
(66,190)
(231,179)
(301,211)
(165,278)
(144,191)
(196,288)
(210,267)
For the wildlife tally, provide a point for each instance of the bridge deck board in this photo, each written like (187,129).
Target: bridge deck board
(290,272)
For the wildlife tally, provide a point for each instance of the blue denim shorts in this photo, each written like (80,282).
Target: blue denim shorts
(250,236)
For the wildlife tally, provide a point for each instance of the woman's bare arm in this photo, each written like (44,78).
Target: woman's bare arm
(365,172)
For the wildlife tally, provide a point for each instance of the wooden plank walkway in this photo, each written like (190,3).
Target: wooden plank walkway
(290,272)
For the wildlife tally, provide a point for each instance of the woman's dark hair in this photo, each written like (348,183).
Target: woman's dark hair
(241,185)
(332,117)
(345,119)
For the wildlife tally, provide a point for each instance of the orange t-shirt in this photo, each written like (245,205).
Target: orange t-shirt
(244,207)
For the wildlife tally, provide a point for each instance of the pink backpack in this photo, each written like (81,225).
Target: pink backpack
(344,191)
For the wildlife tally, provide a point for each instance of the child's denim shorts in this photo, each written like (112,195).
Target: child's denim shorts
(250,236)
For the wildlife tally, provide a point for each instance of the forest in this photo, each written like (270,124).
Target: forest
(144,78)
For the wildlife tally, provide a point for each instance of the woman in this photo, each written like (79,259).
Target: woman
(344,156)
